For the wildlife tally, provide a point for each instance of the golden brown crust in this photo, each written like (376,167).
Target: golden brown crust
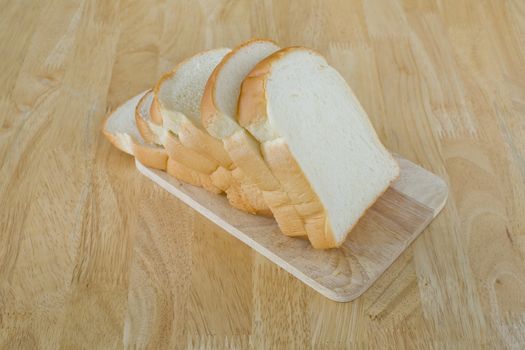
(141,121)
(145,131)
(154,112)
(252,107)
(156,115)
(209,109)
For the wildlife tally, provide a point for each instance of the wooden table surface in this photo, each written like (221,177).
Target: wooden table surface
(93,255)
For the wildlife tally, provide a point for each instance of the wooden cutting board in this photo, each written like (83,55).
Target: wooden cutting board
(341,274)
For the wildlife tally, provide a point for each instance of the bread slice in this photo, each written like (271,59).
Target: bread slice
(177,98)
(121,131)
(219,117)
(183,163)
(317,141)
(154,133)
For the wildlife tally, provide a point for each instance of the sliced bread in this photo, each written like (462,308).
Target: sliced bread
(153,133)
(177,98)
(219,117)
(317,141)
(122,132)
(183,163)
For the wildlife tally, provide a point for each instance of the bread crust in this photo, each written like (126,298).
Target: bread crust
(156,114)
(211,117)
(145,130)
(252,108)
(209,110)
(154,111)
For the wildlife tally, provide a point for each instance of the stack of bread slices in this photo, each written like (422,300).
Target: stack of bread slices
(278,131)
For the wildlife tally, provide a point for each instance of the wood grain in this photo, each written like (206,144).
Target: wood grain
(94,256)
(342,274)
